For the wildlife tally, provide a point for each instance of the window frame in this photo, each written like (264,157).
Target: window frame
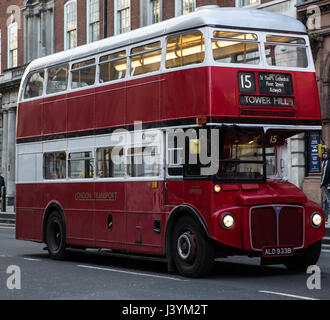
(99,63)
(10,61)
(26,81)
(117,17)
(44,166)
(179,7)
(151,10)
(259,42)
(91,159)
(47,78)
(66,31)
(306,45)
(141,44)
(90,23)
(95,64)
(207,58)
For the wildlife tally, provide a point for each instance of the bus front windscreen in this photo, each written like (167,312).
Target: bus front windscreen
(242,155)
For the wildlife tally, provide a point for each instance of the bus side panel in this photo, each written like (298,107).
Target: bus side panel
(29,119)
(110,215)
(185,93)
(55,115)
(198,194)
(79,207)
(143,100)
(110,105)
(306,95)
(81,110)
(29,211)
(143,201)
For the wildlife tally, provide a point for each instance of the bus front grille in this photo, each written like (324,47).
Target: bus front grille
(276,225)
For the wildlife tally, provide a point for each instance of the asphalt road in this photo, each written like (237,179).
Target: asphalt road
(102,276)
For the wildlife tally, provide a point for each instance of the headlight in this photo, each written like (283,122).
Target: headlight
(316,219)
(217,188)
(227,221)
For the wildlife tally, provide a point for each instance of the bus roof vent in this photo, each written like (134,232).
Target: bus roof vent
(210,7)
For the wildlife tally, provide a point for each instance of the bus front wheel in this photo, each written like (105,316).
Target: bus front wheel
(192,251)
(55,236)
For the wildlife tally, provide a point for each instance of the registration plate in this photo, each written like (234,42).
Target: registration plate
(277,251)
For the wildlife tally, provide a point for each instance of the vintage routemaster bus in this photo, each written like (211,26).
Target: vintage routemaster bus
(164,141)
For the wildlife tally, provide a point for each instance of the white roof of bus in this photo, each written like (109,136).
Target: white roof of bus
(207,15)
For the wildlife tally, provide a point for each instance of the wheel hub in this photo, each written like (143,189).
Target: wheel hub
(186,246)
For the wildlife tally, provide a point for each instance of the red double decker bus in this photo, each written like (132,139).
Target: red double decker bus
(163,141)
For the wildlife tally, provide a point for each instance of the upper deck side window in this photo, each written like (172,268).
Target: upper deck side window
(286,51)
(113,66)
(57,80)
(235,47)
(34,85)
(185,49)
(146,58)
(83,74)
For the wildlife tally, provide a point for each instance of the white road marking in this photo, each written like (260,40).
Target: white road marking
(287,295)
(30,259)
(132,273)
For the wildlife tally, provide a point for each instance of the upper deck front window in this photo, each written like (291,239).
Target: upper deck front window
(284,51)
(235,47)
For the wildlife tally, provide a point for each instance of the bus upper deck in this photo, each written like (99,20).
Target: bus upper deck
(224,64)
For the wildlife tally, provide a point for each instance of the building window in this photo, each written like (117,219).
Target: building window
(243,3)
(70,25)
(38,29)
(154,11)
(12,45)
(185,6)
(93,20)
(123,16)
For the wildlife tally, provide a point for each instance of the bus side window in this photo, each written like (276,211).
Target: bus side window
(34,86)
(143,162)
(83,74)
(55,165)
(175,157)
(146,58)
(81,165)
(185,49)
(110,162)
(57,79)
(113,66)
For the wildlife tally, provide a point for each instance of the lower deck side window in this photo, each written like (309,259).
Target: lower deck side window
(54,165)
(81,165)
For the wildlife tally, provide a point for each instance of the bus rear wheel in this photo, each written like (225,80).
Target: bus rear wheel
(192,251)
(55,236)
(307,258)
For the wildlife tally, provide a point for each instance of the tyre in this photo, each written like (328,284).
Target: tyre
(306,258)
(55,236)
(192,252)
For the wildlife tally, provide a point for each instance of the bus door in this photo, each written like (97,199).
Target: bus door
(110,198)
(173,171)
(144,191)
